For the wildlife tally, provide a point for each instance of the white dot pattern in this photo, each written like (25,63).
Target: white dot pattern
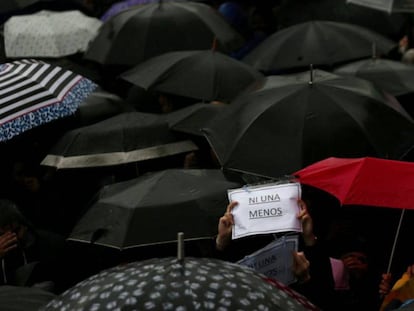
(166,284)
(49,34)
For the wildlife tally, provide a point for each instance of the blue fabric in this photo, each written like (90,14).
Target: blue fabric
(234,15)
(407,302)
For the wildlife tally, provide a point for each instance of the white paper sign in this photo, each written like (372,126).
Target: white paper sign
(274,260)
(268,208)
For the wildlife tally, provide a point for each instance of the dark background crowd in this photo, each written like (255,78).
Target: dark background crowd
(40,205)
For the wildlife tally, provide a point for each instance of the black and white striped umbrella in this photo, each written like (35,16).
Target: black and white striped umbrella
(33,93)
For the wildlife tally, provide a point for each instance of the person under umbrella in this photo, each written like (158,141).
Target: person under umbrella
(311,282)
(29,256)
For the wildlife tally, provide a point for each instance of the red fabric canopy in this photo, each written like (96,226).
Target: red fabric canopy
(363,181)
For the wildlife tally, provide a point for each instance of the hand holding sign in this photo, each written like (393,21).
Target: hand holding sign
(307,224)
(225,226)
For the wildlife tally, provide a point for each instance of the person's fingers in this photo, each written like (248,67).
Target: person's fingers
(231,206)
(301,213)
(7,238)
(301,204)
(385,284)
(300,266)
(300,259)
(226,220)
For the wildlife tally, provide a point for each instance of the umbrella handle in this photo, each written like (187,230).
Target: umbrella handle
(395,240)
(180,246)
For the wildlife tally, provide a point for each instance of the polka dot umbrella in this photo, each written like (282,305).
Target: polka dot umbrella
(174,284)
(49,34)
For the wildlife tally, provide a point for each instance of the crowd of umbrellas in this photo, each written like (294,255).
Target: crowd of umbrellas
(312,100)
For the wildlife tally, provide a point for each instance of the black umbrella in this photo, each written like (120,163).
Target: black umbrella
(316,42)
(100,105)
(152,208)
(387,6)
(173,284)
(124,138)
(204,74)
(292,12)
(148,30)
(192,119)
(293,121)
(22,298)
(395,77)
(11,5)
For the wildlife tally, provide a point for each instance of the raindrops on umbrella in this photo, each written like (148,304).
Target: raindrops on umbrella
(49,34)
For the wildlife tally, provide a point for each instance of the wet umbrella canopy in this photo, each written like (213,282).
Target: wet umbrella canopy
(193,118)
(206,75)
(394,77)
(124,138)
(49,34)
(316,42)
(363,181)
(152,208)
(293,12)
(388,6)
(292,121)
(172,284)
(145,31)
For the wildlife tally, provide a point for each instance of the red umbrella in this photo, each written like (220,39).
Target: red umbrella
(363,181)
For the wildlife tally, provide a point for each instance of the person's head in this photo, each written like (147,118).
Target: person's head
(26,176)
(165,103)
(235,15)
